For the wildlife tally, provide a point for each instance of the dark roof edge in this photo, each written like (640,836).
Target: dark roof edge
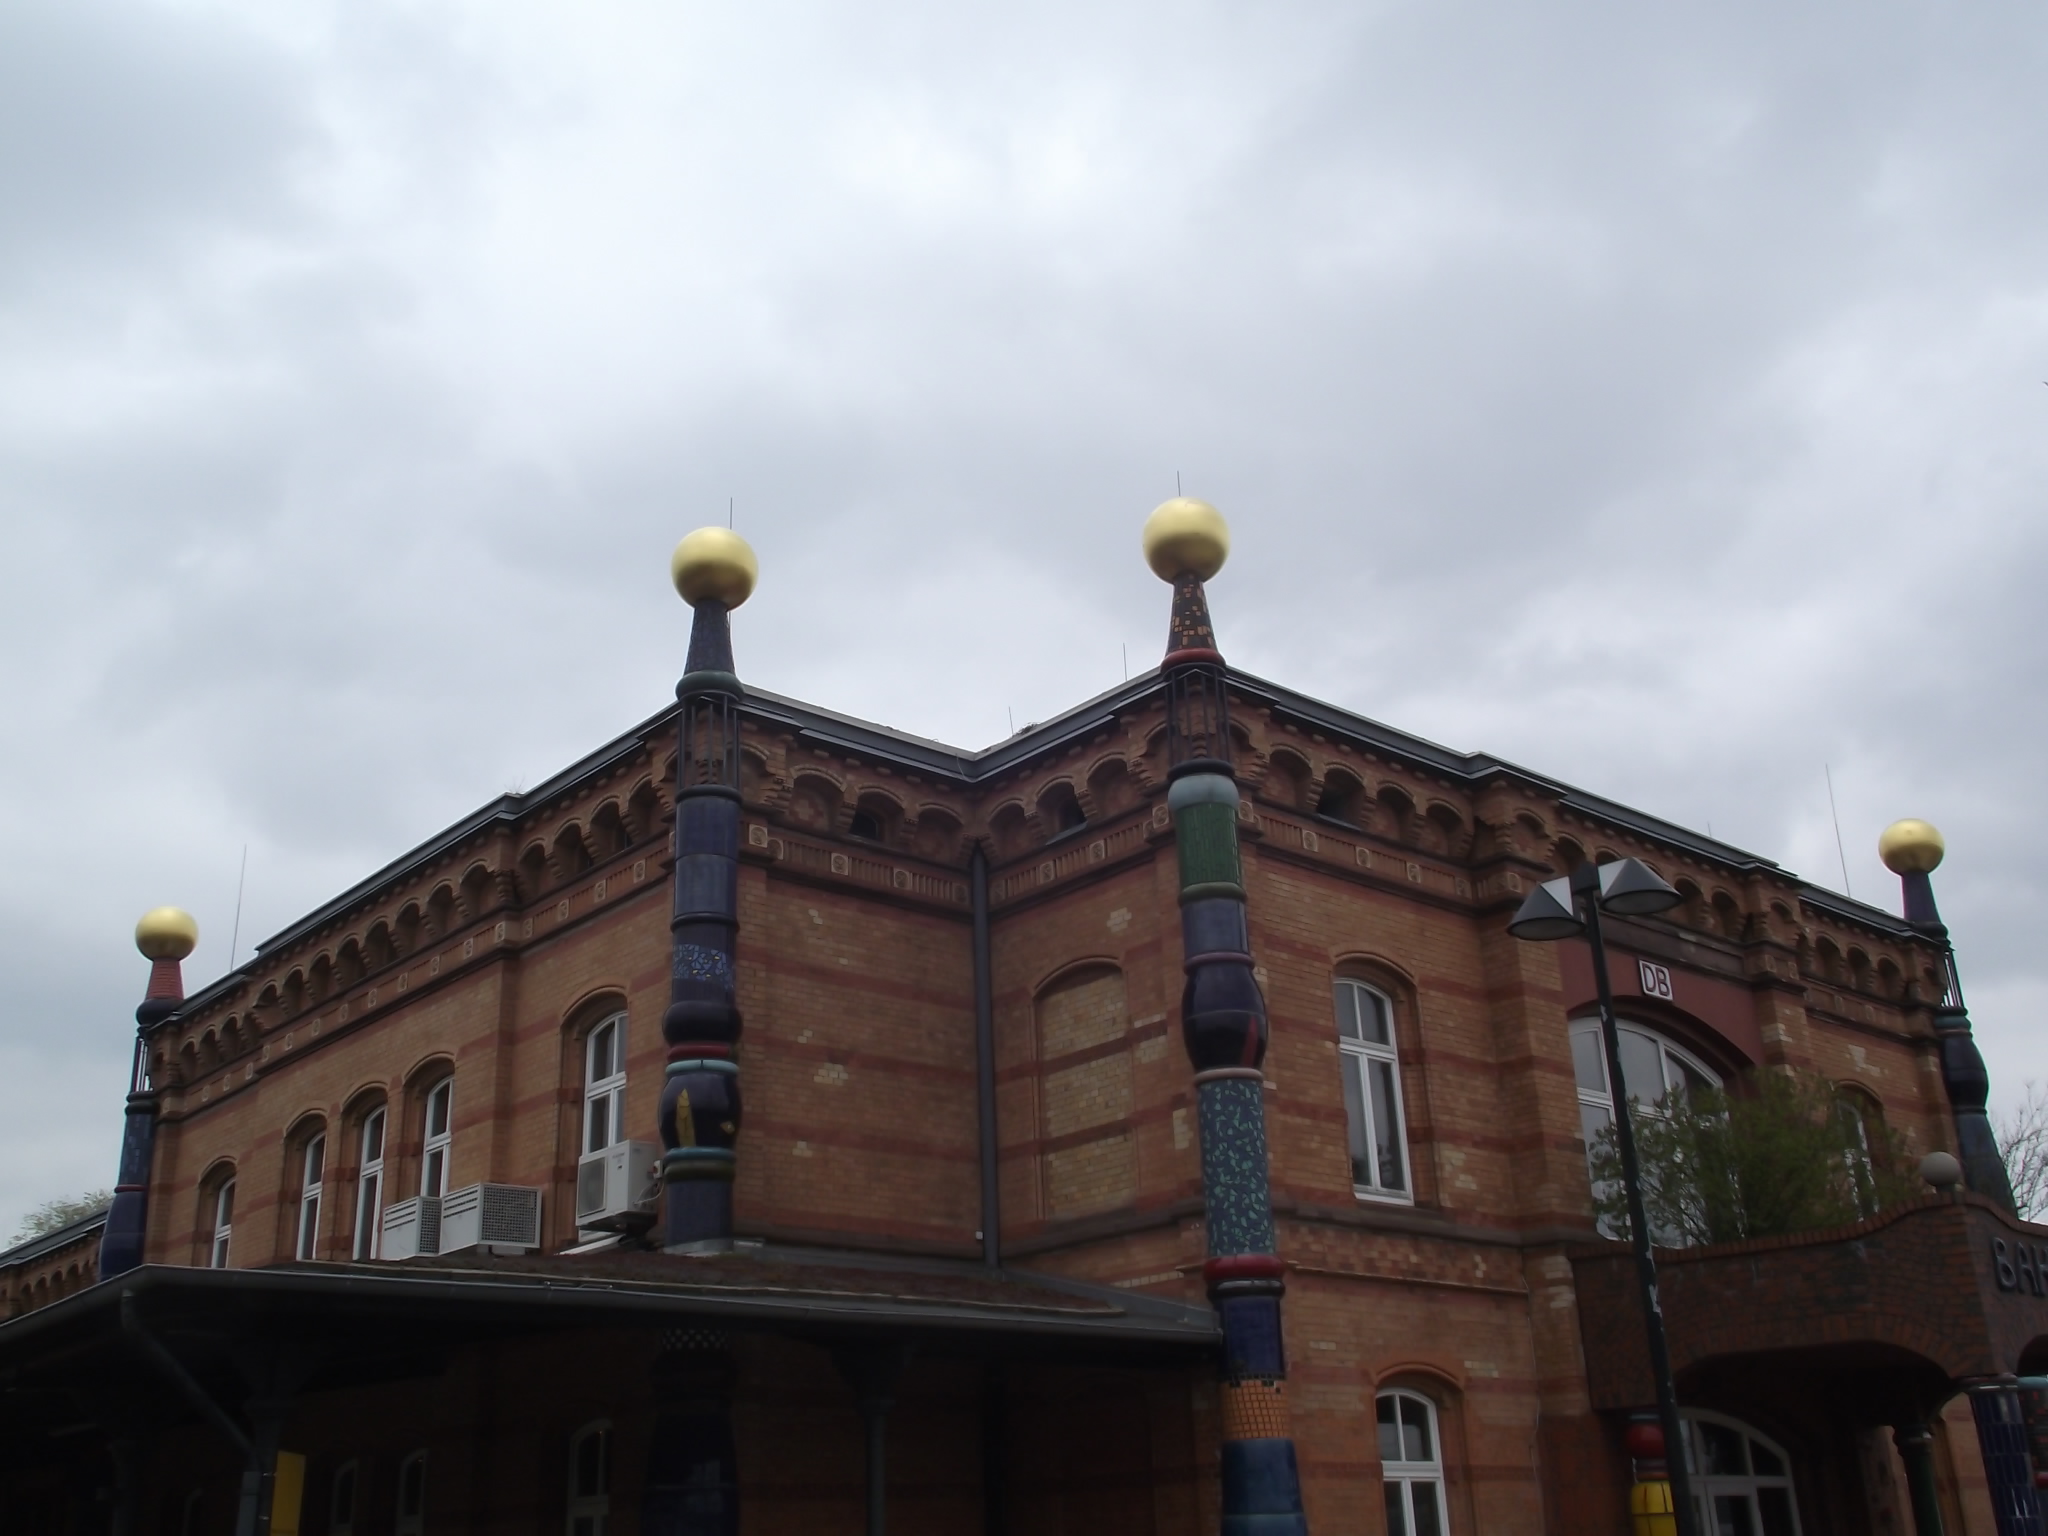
(899,748)
(1155,1323)
(51,1241)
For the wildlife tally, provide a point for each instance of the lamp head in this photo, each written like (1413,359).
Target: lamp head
(1630,888)
(1547,913)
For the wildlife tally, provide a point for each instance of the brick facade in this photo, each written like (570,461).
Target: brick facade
(1367,855)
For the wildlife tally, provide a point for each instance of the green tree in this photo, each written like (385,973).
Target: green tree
(1778,1154)
(52,1214)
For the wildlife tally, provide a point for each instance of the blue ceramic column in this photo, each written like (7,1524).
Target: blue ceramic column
(1913,850)
(1223,1026)
(165,936)
(693,1465)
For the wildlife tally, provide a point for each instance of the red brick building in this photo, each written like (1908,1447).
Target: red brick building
(1013,1299)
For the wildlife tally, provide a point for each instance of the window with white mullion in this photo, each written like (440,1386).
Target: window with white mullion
(1653,1070)
(1369,1060)
(590,1502)
(439,1126)
(223,1225)
(370,1187)
(312,1169)
(604,1091)
(1411,1465)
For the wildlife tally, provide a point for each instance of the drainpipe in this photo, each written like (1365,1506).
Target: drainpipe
(985,1063)
(1916,1451)
(872,1370)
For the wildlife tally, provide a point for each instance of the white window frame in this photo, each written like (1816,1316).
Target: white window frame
(435,1145)
(312,1179)
(1356,1059)
(590,1513)
(1674,1060)
(223,1225)
(1707,1487)
(341,1517)
(370,1184)
(604,1094)
(1400,1478)
(412,1522)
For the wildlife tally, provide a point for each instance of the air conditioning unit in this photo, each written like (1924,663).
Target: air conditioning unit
(615,1181)
(490,1216)
(411,1228)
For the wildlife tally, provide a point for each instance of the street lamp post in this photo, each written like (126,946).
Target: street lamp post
(1565,908)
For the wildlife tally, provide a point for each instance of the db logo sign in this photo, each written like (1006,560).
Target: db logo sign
(1656,980)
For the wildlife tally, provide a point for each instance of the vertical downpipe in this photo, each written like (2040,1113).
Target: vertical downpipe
(985,1063)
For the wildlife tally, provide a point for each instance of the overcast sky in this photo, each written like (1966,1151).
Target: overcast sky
(1650,395)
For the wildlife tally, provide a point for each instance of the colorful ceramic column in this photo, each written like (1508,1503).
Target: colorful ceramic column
(1223,1025)
(715,571)
(165,936)
(692,1486)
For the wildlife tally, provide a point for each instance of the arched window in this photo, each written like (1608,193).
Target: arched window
(1863,1143)
(341,1501)
(604,1085)
(1371,1065)
(312,1167)
(590,1481)
(1652,1069)
(865,825)
(1411,1465)
(370,1186)
(412,1495)
(1740,1481)
(223,1225)
(439,1127)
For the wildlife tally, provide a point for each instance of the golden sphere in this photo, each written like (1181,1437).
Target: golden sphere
(166,933)
(714,564)
(1911,847)
(1186,537)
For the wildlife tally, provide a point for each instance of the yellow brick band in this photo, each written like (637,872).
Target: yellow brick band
(1256,1410)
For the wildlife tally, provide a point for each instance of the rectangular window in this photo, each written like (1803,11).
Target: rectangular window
(604,1085)
(341,1504)
(434,1154)
(310,1178)
(1369,1062)
(370,1187)
(223,1225)
(412,1495)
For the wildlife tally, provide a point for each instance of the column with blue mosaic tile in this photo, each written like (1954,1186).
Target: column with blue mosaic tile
(692,1486)
(1223,1025)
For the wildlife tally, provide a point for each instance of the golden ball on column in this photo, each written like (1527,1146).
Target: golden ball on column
(166,933)
(715,565)
(1911,847)
(1186,537)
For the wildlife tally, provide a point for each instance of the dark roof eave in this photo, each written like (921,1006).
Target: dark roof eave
(49,1242)
(551,1300)
(901,749)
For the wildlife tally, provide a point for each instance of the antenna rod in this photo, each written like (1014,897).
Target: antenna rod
(1837,815)
(728,511)
(241,883)
(1127,661)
